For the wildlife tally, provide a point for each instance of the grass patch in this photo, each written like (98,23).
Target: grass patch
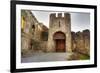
(83,57)
(78,56)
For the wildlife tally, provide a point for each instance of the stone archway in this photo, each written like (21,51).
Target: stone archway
(59,38)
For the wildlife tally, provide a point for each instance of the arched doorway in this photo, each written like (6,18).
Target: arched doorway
(59,38)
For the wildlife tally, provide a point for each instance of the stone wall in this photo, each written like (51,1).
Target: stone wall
(81,42)
(31,31)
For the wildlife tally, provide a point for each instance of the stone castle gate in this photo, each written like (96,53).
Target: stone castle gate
(59,38)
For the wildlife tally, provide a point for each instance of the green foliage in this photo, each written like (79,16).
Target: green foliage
(23,13)
(79,56)
(84,57)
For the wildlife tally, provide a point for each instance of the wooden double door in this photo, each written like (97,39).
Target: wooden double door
(60,45)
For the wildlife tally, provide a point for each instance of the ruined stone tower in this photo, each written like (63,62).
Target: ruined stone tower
(59,38)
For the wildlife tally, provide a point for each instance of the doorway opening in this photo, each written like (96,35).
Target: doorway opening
(59,38)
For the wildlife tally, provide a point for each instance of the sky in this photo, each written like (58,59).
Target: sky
(79,21)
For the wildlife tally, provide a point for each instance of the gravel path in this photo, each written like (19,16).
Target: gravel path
(44,57)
